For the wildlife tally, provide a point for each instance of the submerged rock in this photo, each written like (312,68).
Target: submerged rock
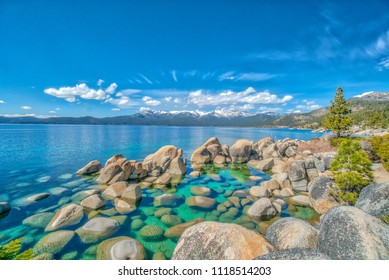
(151,233)
(165,179)
(290,233)
(348,233)
(294,254)
(78,197)
(171,220)
(123,207)
(40,220)
(219,241)
(97,229)
(169,200)
(69,215)
(54,242)
(92,167)
(120,248)
(201,202)
(374,200)
(4,207)
(37,197)
(203,191)
(176,231)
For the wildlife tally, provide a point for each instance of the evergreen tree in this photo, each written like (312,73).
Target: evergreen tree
(351,168)
(337,119)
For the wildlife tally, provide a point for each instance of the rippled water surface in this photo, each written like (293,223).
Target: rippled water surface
(43,158)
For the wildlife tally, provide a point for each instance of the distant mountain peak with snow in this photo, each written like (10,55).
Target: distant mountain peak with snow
(374,96)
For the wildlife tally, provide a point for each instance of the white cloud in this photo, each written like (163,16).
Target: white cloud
(269,109)
(248,96)
(174,75)
(253,77)
(308,106)
(100,82)
(384,64)
(24,115)
(57,109)
(129,91)
(144,109)
(70,94)
(122,102)
(149,101)
(177,100)
(115,109)
(26,107)
(297,111)
(2,101)
(380,46)
(111,89)
(168,98)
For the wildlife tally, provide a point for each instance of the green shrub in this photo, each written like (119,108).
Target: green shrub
(335,142)
(351,168)
(380,147)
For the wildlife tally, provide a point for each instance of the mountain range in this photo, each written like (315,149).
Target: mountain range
(360,105)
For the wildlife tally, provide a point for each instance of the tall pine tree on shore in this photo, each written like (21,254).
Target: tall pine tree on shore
(337,118)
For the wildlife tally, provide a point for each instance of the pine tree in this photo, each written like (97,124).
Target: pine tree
(351,168)
(337,119)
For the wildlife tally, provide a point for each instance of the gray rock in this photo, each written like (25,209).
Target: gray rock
(290,152)
(297,171)
(40,220)
(374,200)
(294,254)
(348,233)
(286,192)
(320,165)
(262,209)
(320,194)
(300,200)
(312,174)
(301,185)
(92,167)
(218,241)
(259,192)
(290,233)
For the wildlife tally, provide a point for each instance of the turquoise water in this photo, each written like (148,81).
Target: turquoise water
(43,158)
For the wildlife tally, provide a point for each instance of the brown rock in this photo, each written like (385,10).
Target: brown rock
(92,167)
(115,190)
(93,202)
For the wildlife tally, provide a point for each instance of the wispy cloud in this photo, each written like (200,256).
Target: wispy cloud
(174,75)
(248,96)
(111,89)
(307,106)
(24,115)
(115,109)
(146,79)
(2,101)
(150,101)
(122,102)
(380,46)
(26,107)
(383,64)
(251,77)
(299,55)
(52,112)
(129,91)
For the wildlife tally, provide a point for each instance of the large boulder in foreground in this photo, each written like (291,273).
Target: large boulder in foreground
(120,248)
(219,241)
(348,233)
(294,254)
(320,195)
(240,152)
(374,200)
(92,167)
(290,233)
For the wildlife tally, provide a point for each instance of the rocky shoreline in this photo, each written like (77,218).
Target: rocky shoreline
(300,177)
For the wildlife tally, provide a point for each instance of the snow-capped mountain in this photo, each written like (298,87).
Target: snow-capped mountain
(374,96)
(220,113)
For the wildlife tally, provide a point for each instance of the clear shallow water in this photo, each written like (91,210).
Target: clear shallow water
(41,158)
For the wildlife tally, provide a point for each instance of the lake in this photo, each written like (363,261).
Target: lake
(44,158)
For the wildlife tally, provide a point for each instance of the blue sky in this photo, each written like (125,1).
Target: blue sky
(107,58)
